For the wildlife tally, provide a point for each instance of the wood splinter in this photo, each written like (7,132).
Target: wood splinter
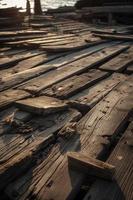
(90,166)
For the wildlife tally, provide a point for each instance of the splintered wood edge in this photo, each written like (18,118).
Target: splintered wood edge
(90,166)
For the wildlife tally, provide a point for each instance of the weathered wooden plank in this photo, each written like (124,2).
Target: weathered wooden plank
(75,84)
(96,130)
(67,47)
(19,38)
(120,63)
(9,96)
(93,136)
(8,62)
(90,166)
(115,37)
(121,187)
(15,79)
(91,96)
(42,105)
(47,37)
(73,68)
(29,63)
(11,52)
(20,157)
(73,56)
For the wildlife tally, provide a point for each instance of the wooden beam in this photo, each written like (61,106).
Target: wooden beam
(90,166)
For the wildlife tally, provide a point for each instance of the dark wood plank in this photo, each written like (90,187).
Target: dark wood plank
(90,166)
(121,187)
(76,67)
(42,105)
(75,84)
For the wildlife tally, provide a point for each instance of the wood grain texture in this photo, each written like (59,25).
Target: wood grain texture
(90,97)
(90,166)
(119,63)
(121,188)
(75,84)
(23,156)
(76,67)
(93,136)
(42,105)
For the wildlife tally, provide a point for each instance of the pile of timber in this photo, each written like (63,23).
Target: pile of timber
(66,114)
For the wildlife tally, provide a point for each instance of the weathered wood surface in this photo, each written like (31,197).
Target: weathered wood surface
(73,68)
(29,63)
(46,37)
(90,166)
(67,47)
(20,157)
(42,105)
(75,84)
(15,79)
(115,37)
(10,61)
(17,38)
(121,188)
(11,52)
(101,124)
(92,136)
(9,96)
(91,96)
(120,63)
(73,56)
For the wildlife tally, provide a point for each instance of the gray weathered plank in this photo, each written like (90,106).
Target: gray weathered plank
(119,63)
(73,68)
(90,97)
(71,86)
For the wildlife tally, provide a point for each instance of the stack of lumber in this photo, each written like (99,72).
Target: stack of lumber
(65,116)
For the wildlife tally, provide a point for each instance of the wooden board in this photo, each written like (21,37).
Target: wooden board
(121,187)
(96,130)
(15,159)
(91,96)
(10,61)
(9,96)
(93,136)
(73,56)
(42,105)
(90,166)
(120,63)
(29,63)
(71,69)
(75,84)
(115,37)
(15,79)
